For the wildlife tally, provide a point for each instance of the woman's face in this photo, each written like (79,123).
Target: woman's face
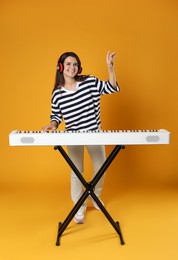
(70,67)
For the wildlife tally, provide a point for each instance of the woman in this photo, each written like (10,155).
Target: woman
(76,100)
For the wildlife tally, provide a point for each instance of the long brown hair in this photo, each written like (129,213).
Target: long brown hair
(59,79)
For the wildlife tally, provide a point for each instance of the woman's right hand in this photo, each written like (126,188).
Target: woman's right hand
(51,127)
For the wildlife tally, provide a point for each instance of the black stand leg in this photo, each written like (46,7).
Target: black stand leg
(89,192)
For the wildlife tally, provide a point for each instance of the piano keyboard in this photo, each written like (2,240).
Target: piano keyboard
(112,137)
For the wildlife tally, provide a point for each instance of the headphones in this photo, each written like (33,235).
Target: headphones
(61,68)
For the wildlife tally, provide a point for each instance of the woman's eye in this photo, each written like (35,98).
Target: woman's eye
(70,64)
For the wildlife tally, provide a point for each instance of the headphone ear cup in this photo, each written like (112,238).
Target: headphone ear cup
(60,67)
(80,70)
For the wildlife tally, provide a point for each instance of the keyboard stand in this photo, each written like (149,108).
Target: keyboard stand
(89,186)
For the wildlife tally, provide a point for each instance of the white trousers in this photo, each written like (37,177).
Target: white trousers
(76,154)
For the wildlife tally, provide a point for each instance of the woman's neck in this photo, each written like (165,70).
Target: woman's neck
(70,84)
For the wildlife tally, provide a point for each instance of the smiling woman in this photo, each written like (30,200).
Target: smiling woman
(71,68)
(68,68)
(76,99)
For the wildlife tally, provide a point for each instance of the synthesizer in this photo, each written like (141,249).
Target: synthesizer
(108,137)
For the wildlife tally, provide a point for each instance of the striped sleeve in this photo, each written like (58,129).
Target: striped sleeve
(55,108)
(105,87)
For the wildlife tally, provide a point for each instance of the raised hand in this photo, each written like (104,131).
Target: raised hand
(110,57)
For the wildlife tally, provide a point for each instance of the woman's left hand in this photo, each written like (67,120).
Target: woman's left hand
(110,58)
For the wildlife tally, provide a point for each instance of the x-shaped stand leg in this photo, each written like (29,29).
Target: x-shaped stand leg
(89,186)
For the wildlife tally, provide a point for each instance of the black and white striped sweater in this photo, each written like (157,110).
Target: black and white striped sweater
(80,109)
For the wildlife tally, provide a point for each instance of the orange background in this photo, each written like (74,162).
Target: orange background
(143,33)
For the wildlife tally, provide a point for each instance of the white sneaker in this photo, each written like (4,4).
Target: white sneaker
(79,216)
(95,204)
